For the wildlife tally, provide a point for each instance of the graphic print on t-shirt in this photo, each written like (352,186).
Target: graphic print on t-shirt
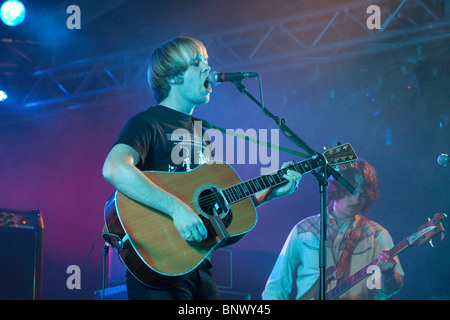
(166,140)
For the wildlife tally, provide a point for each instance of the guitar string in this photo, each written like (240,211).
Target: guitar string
(209,200)
(231,192)
(234,191)
(297,166)
(310,164)
(362,273)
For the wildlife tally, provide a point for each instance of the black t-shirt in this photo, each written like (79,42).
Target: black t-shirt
(166,140)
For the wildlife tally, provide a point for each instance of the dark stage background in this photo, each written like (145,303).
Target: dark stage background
(332,79)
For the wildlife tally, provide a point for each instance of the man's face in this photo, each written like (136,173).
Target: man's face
(351,205)
(196,88)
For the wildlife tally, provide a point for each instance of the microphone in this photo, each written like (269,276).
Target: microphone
(218,77)
(443,159)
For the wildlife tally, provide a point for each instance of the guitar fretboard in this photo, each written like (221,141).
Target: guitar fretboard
(362,273)
(338,155)
(248,188)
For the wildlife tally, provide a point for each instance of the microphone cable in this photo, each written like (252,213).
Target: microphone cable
(104,254)
(102,262)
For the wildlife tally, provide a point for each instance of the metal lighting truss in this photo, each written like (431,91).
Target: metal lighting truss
(328,34)
(290,42)
(86,78)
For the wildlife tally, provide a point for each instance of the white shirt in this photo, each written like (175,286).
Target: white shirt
(299,259)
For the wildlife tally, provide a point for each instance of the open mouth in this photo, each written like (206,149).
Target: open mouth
(207,84)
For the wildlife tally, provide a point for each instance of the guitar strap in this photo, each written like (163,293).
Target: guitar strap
(208,125)
(353,235)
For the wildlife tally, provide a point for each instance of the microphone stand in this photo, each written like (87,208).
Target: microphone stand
(322,177)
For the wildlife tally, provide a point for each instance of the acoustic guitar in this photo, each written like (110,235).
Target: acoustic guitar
(149,244)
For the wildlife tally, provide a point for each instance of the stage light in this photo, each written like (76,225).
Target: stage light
(3,95)
(12,12)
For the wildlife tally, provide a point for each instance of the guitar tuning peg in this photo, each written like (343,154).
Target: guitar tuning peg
(431,243)
(324,148)
(339,143)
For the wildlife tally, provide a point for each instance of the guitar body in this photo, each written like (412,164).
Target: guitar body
(148,242)
(151,247)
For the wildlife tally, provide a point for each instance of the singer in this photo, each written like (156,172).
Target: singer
(179,76)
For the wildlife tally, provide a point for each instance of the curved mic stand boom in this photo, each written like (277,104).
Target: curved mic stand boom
(322,177)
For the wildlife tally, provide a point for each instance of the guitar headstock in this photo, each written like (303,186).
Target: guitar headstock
(341,154)
(428,230)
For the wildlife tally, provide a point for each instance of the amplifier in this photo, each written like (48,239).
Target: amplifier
(21,239)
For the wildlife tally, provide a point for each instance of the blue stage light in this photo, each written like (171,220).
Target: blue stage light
(3,95)
(12,12)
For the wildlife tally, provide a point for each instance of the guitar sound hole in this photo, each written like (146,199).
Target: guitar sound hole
(209,200)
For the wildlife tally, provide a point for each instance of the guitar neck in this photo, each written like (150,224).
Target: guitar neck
(341,154)
(248,188)
(362,273)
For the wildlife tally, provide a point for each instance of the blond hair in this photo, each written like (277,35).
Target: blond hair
(170,61)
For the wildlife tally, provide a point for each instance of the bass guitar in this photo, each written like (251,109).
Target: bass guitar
(425,232)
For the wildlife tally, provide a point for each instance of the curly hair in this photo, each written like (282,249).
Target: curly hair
(169,61)
(336,191)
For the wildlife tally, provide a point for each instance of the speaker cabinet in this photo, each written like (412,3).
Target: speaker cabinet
(21,237)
